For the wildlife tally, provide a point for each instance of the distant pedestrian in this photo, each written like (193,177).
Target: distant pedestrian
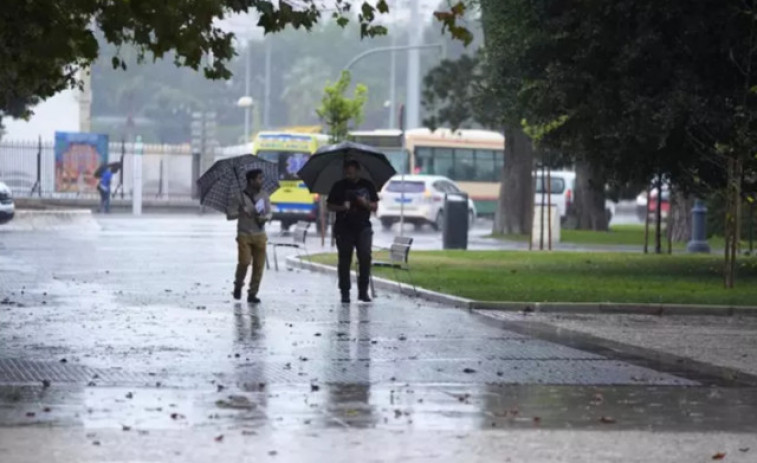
(103,186)
(353,199)
(253,207)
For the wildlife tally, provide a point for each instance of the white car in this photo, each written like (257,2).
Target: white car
(562,191)
(562,185)
(423,197)
(7,208)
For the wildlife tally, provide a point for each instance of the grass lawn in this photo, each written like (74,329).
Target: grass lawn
(619,235)
(577,277)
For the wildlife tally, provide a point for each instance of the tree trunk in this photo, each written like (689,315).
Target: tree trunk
(591,213)
(516,193)
(680,216)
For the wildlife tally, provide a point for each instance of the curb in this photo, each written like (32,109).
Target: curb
(543,307)
(115,204)
(615,308)
(50,219)
(387,285)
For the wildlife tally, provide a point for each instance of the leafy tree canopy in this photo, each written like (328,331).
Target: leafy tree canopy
(44,44)
(337,110)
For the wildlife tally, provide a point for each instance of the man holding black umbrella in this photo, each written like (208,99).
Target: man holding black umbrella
(353,199)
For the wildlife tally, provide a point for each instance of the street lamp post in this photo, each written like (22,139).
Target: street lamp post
(246,103)
(413,100)
(373,51)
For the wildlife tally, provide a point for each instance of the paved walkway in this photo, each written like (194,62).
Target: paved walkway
(128,334)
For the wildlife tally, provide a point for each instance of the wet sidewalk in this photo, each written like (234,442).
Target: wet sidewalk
(129,334)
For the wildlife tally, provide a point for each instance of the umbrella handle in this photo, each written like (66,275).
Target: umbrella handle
(241,188)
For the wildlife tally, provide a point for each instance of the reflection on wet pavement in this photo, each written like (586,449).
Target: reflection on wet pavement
(134,327)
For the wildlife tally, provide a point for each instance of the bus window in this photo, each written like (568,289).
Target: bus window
(272,156)
(465,169)
(485,167)
(290,162)
(499,163)
(443,163)
(424,162)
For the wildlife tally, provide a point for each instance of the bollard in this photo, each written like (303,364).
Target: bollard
(698,243)
(136,199)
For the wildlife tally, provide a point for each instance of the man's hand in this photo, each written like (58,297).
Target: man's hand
(362,202)
(339,208)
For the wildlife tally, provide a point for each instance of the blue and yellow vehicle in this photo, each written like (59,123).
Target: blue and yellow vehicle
(290,150)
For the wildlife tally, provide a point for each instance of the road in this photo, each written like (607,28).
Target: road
(123,344)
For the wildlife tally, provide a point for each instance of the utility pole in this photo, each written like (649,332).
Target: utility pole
(85,102)
(414,67)
(267,85)
(393,76)
(247,93)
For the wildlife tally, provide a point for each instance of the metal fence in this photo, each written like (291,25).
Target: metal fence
(28,168)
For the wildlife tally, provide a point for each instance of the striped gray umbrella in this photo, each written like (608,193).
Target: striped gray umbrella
(222,185)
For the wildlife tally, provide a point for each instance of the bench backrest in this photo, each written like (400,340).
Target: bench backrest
(300,233)
(399,251)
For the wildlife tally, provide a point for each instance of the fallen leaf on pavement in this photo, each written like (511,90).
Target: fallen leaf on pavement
(719,456)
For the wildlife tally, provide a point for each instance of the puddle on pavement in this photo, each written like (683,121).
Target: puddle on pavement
(425,407)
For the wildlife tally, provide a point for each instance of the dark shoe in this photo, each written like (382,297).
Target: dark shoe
(364,297)
(345,298)
(253,299)
(237,292)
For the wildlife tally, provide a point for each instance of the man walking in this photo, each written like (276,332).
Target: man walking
(252,210)
(353,199)
(103,186)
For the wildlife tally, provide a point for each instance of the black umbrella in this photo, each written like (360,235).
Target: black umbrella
(326,166)
(221,186)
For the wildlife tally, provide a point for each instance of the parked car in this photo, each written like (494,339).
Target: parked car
(562,188)
(423,198)
(7,207)
(562,184)
(650,206)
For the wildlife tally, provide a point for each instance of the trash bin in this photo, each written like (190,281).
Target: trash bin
(455,224)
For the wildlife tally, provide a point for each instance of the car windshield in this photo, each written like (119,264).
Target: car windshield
(405,187)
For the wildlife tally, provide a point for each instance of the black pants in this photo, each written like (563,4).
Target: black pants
(346,242)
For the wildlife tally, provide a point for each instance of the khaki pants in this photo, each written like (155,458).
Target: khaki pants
(252,250)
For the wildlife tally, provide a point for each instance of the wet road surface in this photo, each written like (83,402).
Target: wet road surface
(131,329)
